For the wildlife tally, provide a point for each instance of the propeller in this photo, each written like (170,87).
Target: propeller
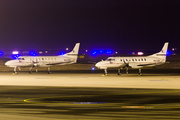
(126,64)
(35,64)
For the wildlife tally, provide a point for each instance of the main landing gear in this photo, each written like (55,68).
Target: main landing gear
(119,72)
(140,73)
(30,70)
(105,73)
(49,72)
(15,72)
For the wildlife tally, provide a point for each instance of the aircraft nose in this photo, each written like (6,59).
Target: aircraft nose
(97,65)
(6,63)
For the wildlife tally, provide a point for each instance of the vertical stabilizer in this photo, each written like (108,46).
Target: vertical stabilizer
(163,52)
(74,53)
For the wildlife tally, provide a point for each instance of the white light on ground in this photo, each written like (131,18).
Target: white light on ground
(140,53)
(15,52)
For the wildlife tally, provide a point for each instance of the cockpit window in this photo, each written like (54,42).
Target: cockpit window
(21,59)
(110,59)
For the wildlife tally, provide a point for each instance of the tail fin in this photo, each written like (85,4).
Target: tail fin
(74,53)
(162,53)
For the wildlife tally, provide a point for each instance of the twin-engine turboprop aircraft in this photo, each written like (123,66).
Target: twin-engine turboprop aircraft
(134,62)
(44,61)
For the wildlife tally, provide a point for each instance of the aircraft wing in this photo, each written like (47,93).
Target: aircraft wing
(137,65)
(146,64)
(58,63)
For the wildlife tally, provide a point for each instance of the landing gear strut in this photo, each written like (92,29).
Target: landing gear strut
(119,71)
(49,72)
(36,69)
(126,70)
(140,73)
(15,72)
(105,71)
(30,70)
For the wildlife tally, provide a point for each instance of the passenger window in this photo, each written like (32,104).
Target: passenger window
(48,58)
(141,59)
(54,58)
(51,58)
(135,59)
(42,58)
(132,59)
(145,59)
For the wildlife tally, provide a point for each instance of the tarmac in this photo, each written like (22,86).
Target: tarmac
(161,81)
(89,95)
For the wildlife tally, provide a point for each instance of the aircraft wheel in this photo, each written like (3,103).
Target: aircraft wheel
(49,72)
(14,73)
(119,73)
(30,72)
(140,74)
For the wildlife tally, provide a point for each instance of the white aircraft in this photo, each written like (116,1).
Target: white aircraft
(134,61)
(44,61)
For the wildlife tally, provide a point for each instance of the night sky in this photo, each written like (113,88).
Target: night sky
(106,24)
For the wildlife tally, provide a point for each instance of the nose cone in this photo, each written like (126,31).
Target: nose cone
(97,65)
(7,63)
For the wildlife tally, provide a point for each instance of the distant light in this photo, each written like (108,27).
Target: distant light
(40,52)
(67,49)
(15,52)
(25,52)
(46,51)
(92,68)
(101,51)
(168,53)
(15,56)
(62,53)
(86,50)
(133,53)
(1,53)
(94,52)
(173,49)
(32,53)
(116,52)
(109,51)
(140,53)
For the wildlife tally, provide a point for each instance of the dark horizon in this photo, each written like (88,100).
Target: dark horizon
(96,24)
